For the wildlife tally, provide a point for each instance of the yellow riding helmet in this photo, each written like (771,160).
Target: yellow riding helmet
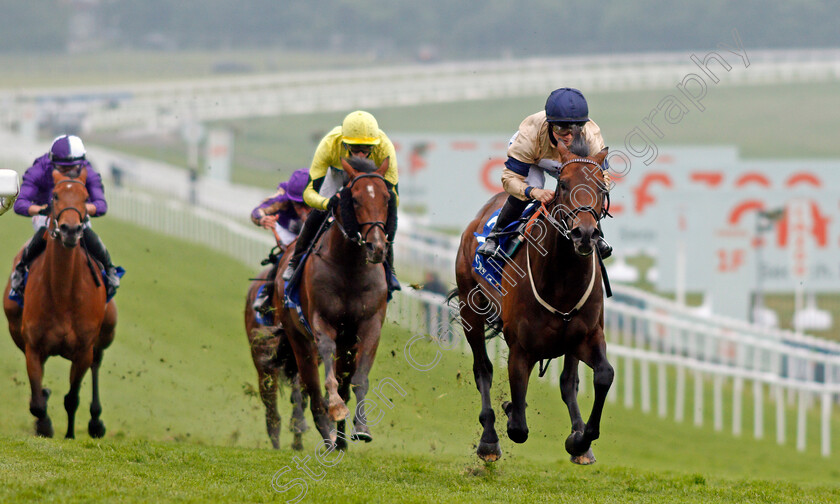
(360,128)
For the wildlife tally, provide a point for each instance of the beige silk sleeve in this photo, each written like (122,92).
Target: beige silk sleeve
(514,184)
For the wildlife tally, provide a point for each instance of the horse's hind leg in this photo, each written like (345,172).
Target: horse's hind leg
(268,393)
(38,400)
(519,372)
(298,422)
(71,401)
(473,323)
(96,428)
(578,444)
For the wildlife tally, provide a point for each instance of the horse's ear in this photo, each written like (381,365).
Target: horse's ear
(383,167)
(565,153)
(349,169)
(599,158)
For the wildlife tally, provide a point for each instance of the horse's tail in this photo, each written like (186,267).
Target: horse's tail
(492,328)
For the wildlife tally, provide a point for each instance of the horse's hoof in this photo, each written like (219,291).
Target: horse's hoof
(362,436)
(489,452)
(43,427)
(585,459)
(96,428)
(577,445)
(339,412)
(341,444)
(518,435)
(297,444)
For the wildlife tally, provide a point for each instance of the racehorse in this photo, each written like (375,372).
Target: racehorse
(343,298)
(272,355)
(552,305)
(64,309)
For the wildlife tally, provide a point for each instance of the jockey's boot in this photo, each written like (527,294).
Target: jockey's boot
(97,249)
(511,211)
(304,240)
(262,303)
(604,249)
(391,272)
(32,250)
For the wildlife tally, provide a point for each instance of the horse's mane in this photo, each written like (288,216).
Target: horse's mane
(361,164)
(578,147)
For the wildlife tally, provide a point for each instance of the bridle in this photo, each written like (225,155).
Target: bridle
(563,225)
(361,239)
(55,216)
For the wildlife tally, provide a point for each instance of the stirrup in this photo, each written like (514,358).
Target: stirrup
(289,272)
(489,248)
(261,305)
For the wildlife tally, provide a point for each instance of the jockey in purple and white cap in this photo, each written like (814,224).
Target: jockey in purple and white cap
(67,155)
(284,211)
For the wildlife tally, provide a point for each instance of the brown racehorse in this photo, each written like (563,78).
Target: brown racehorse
(343,297)
(272,355)
(64,311)
(552,305)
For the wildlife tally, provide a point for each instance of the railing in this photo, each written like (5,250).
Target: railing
(166,105)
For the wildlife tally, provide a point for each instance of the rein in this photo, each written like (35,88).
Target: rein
(562,227)
(361,239)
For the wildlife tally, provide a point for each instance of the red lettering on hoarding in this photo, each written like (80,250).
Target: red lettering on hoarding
(740,209)
(752,178)
(711,179)
(803,178)
(819,227)
(642,193)
(730,261)
(487,170)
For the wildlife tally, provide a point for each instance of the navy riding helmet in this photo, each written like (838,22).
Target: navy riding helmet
(566,105)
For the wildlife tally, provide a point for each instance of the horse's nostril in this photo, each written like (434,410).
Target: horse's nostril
(596,234)
(577,234)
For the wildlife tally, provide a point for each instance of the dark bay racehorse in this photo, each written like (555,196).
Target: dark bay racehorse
(552,305)
(64,311)
(272,356)
(343,297)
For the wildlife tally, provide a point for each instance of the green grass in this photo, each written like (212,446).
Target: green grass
(184,425)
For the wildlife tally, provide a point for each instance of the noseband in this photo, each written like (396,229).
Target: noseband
(361,239)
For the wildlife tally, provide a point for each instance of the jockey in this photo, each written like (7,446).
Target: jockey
(67,155)
(359,135)
(533,150)
(284,213)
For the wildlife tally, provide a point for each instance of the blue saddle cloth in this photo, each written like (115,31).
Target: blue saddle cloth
(267,319)
(17,298)
(491,269)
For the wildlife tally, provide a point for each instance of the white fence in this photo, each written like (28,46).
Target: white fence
(646,335)
(169,105)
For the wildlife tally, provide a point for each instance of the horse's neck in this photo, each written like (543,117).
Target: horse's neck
(60,264)
(338,249)
(560,271)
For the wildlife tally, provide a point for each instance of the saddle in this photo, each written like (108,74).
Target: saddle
(510,240)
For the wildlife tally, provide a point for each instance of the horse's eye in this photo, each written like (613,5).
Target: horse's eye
(563,185)
(55,197)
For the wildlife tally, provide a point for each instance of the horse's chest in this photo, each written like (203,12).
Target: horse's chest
(546,336)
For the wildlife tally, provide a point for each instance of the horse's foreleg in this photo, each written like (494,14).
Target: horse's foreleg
(569,381)
(38,400)
(71,401)
(519,372)
(96,428)
(326,348)
(368,344)
(298,422)
(579,443)
(268,395)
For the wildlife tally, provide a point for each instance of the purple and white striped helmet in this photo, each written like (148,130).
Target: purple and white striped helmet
(67,150)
